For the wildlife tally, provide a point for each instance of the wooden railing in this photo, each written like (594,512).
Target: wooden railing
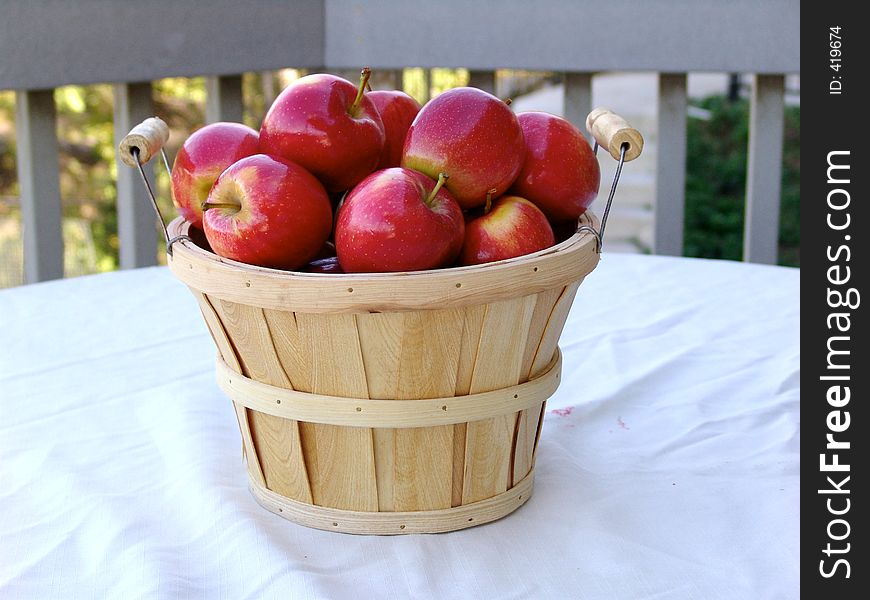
(46,44)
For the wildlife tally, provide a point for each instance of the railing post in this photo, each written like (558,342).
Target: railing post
(223,100)
(427,85)
(35,125)
(269,94)
(671,165)
(137,232)
(764,170)
(484,80)
(578,99)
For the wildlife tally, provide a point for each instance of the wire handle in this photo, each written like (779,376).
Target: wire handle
(609,130)
(623,142)
(138,147)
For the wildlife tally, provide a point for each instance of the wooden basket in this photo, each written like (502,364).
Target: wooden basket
(397,402)
(389,403)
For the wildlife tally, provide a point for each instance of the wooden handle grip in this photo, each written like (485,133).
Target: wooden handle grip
(612,131)
(148,137)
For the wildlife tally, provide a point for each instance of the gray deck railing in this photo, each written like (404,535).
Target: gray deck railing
(46,44)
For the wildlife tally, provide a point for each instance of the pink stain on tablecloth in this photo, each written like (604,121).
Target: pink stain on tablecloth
(622,424)
(563,412)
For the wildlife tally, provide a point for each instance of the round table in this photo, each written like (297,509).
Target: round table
(668,464)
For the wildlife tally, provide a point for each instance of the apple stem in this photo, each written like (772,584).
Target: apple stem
(208,205)
(365,73)
(442,179)
(508,101)
(488,205)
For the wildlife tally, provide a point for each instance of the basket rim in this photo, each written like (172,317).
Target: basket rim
(557,266)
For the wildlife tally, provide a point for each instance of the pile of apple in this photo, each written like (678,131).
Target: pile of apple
(341,179)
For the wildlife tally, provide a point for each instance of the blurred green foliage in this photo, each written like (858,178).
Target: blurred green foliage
(716,182)
(440,80)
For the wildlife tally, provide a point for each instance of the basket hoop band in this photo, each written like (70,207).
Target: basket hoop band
(366,412)
(395,523)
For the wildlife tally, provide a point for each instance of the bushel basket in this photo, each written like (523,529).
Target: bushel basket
(389,403)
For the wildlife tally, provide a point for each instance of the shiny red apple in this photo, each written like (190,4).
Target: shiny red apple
(397,110)
(560,174)
(513,227)
(473,137)
(204,156)
(328,126)
(267,211)
(398,220)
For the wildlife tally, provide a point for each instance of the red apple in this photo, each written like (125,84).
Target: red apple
(560,173)
(513,227)
(473,137)
(204,156)
(267,211)
(325,124)
(398,220)
(397,110)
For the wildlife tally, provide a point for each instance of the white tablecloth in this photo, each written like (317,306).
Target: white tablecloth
(668,464)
